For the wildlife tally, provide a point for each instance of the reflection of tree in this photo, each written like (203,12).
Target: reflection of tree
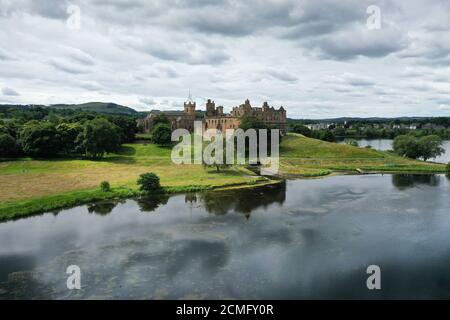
(151,203)
(448,176)
(404,181)
(243,200)
(103,207)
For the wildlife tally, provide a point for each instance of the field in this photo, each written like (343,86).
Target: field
(31,186)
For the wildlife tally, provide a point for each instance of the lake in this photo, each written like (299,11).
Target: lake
(386,144)
(297,239)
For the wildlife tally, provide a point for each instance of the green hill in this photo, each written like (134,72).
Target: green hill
(101,107)
(310,157)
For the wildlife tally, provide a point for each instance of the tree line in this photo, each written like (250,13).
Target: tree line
(45,133)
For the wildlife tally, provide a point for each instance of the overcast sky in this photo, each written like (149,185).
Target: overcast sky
(319,59)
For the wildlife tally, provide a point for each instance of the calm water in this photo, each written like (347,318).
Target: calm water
(386,144)
(299,239)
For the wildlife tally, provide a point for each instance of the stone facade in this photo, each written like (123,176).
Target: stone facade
(178,119)
(215,118)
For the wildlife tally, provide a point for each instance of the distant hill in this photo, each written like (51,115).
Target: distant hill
(374,119)
(100,107)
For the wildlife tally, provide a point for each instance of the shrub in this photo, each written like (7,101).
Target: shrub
(352,142)
(104,186)
(162,134)
(448,167)
(149,182)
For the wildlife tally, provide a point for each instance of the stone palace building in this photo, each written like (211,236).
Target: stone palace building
(215,118)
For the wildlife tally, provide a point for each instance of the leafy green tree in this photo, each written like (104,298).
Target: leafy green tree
(430,147)
(40,139)
(8,146)
(326,135)
(69,133)
(160,118)
(162,134)
(127,125)
(301,129)
(406,146)
(448,167)
(149,182)
(413,147)
(99,136)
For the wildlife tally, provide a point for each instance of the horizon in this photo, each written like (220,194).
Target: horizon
(320,60)
(287,110)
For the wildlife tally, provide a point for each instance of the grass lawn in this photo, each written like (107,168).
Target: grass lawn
(311,157)
(31,186)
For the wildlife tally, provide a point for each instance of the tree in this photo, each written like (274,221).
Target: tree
(69,133)
(406,146)
(326,135)
(301,129)
(413,147)
(40,139)
(430,147)
(160,118)
(128,127)
(8,146)
(162,134)
(149,182)
(448,167)
(99,136)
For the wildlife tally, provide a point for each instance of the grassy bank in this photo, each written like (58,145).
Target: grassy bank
(32,186)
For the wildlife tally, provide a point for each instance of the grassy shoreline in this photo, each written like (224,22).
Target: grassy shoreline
(25,208)
(34,186)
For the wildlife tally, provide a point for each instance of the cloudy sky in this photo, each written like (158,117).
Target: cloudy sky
(319,59)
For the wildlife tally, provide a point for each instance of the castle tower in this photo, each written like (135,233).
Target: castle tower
(210,108)
(189,108)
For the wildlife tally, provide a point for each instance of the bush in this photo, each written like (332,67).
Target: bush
(448,167)
(352,142)
(104,186)
(8,146)
(149,182)
(162,134)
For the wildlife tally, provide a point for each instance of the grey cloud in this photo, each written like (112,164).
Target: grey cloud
(9,92)
(67,66)
(282,75)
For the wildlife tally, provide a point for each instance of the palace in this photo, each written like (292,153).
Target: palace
(215,118)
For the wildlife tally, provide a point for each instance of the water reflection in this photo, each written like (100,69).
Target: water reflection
(305,239)
(151,203)
(243,200)
(103,207)
(404,181)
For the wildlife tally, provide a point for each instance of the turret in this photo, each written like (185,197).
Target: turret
(210,108)
(189,108)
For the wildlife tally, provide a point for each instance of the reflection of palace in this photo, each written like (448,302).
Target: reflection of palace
(243,200)
(215,118)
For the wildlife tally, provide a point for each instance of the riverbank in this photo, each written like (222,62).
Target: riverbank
(35,186)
